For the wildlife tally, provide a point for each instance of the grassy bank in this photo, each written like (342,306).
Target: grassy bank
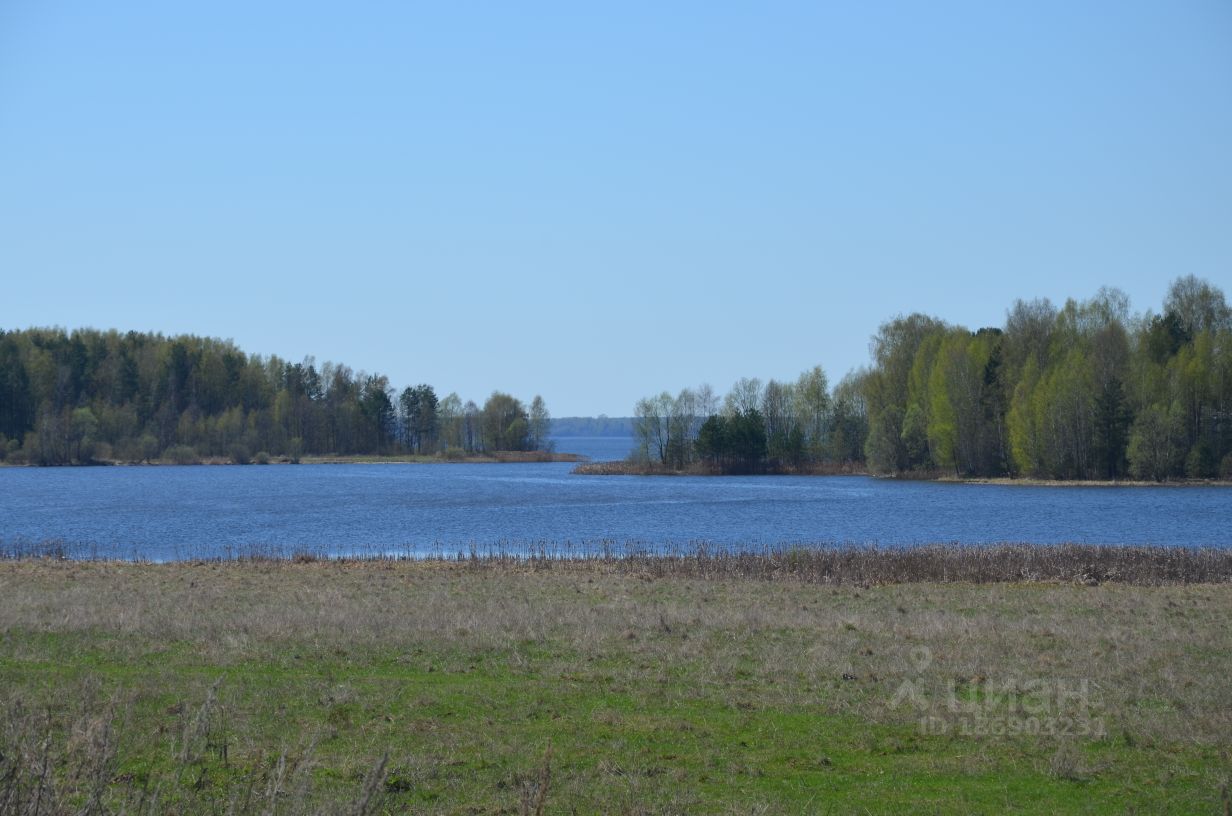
(1022,481)
(687,685)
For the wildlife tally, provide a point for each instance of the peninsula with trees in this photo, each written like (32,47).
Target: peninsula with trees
(1087,391)
(90,397)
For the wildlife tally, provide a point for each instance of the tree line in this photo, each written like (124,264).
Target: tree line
(89,395)
(780,426)
(1084,391)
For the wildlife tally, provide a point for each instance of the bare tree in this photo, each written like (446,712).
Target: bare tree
(650,418)
(1198,305)
(744,396)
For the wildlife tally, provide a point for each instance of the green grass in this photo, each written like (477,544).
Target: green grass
(664,696)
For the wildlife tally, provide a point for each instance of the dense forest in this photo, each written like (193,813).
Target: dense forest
(90,396)
(1085,391)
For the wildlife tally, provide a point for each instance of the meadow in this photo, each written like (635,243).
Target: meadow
(992,680)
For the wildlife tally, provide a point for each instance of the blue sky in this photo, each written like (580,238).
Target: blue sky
(599,201)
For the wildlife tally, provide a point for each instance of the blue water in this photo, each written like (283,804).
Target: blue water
(599,448)
(192,512)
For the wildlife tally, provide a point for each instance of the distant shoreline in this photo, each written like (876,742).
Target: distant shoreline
(496,457)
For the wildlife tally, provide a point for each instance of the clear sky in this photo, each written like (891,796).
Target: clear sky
(599,201)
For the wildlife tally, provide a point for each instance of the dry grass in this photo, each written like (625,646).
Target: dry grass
(1087,564)
(1169,645)
(723,633)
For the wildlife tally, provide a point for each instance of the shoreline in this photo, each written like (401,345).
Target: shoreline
(623,468)
(1009,481)
(494,458)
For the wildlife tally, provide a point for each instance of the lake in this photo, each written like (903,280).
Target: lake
(170,512)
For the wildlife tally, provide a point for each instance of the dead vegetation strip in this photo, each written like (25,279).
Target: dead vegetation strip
(1087,564)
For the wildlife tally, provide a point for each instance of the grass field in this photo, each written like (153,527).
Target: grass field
(503,687)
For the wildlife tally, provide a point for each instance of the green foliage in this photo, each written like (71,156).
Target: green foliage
(419,419)
(377,409)
(1155,443)
(915,435)
(451,421)
(1200,463)
(942,424)
(1112,422)
(884,448)
(505,425)
(83,428)
(539,425)
(148,447)
(813,411)
(778,426)
(1054,394)
(1064,405)
(888,388)
(70,397)
(1084,391)
(16,398)
(734,443)
(848,421)
(787,447)
(712,440)
(747,439)
(1165,337)
(1025,439)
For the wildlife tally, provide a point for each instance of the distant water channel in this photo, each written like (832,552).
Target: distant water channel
(164,513)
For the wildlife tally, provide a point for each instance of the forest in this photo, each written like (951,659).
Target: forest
(90,396)
(1085,391)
